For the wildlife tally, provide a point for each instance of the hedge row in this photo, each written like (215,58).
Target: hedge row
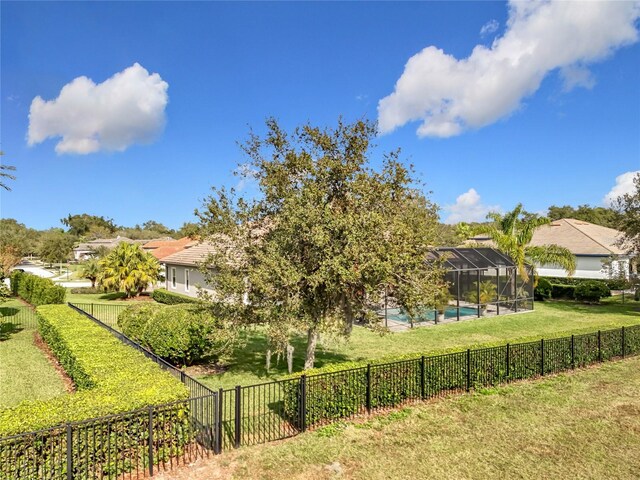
(612,283)
(331,395)
(110,377)
(161,295)
(36,290)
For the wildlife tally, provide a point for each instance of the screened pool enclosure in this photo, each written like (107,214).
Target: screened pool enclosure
(480,282)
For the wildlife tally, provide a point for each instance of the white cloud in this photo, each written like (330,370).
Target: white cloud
(450,95)
(469,208)
(125,109)
(624,184)
(490,27)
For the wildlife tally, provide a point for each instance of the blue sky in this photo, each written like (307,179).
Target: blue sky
(558,129)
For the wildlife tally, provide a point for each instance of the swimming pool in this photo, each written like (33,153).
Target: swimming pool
(398,316)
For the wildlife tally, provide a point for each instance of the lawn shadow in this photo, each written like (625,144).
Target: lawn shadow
(7,329)
(249,357)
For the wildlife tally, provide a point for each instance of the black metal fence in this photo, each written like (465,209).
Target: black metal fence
(107,313)
(129,445)
(211,421)
(18,317)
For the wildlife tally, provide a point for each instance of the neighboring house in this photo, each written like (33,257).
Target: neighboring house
(595,247)
(164,247)
(86,250)
(182,274)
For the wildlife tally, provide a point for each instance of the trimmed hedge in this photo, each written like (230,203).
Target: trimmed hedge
(161,295)
(567,292)
(612,283)
(182,334)
(36,290)
(543,289)
(110,377)
(592,292)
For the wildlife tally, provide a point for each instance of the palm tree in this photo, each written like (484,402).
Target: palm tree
(4,169)
(512,232)
(90,270)
(129,269)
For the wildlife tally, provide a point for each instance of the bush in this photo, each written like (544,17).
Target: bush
(592,292)
(110,377)
(36,290)
(618,283)
(161,295)
(91,290)
(543,289)
(133,320)
(566,292)
(182,334)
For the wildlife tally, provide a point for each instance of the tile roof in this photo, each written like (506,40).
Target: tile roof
(191,255)
(167,242)
(578,236)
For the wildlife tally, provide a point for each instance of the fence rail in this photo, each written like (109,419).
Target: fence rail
(18,317)
(247,415)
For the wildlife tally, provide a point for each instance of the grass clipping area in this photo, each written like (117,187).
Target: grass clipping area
(110,377)
(583,425)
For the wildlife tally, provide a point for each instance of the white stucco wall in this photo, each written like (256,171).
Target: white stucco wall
(196,280)
(589,267)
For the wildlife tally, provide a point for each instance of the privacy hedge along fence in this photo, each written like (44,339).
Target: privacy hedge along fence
(111,378)
(36,290)
(327,394)
(161,295)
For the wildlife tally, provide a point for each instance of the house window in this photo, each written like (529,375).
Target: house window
(173,277)
(186,280)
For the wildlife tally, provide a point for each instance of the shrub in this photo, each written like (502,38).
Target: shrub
(563,291)
(182,334)
(133,320)
(87,290)
(36,290)
(161,295)
(110,377)
(592,292)
(618,283)
(185,334)
(542,290)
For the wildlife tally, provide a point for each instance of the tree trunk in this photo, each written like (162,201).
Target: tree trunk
(312,341)
(290,358)
(93,283)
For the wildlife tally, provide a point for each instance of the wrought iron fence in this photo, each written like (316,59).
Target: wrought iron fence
(107,313)
(247,415)
(129,445)
(18,317)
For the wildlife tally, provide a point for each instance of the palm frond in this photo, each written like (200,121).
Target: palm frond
(552,255)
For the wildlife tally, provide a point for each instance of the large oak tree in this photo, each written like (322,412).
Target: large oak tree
(326,236)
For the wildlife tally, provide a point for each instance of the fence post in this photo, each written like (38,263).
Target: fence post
(468,369)
(423,386)
(219,420)
(303,403)
(69,452)
(573,352)
(92,309)
(599,346)
(368,393)
(508,360)
(151,441)
(623,342)
(238,412)
(542,357)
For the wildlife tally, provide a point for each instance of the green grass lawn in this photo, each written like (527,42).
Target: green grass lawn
(584,424)
(97,297)
(25,373)
(550,319)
